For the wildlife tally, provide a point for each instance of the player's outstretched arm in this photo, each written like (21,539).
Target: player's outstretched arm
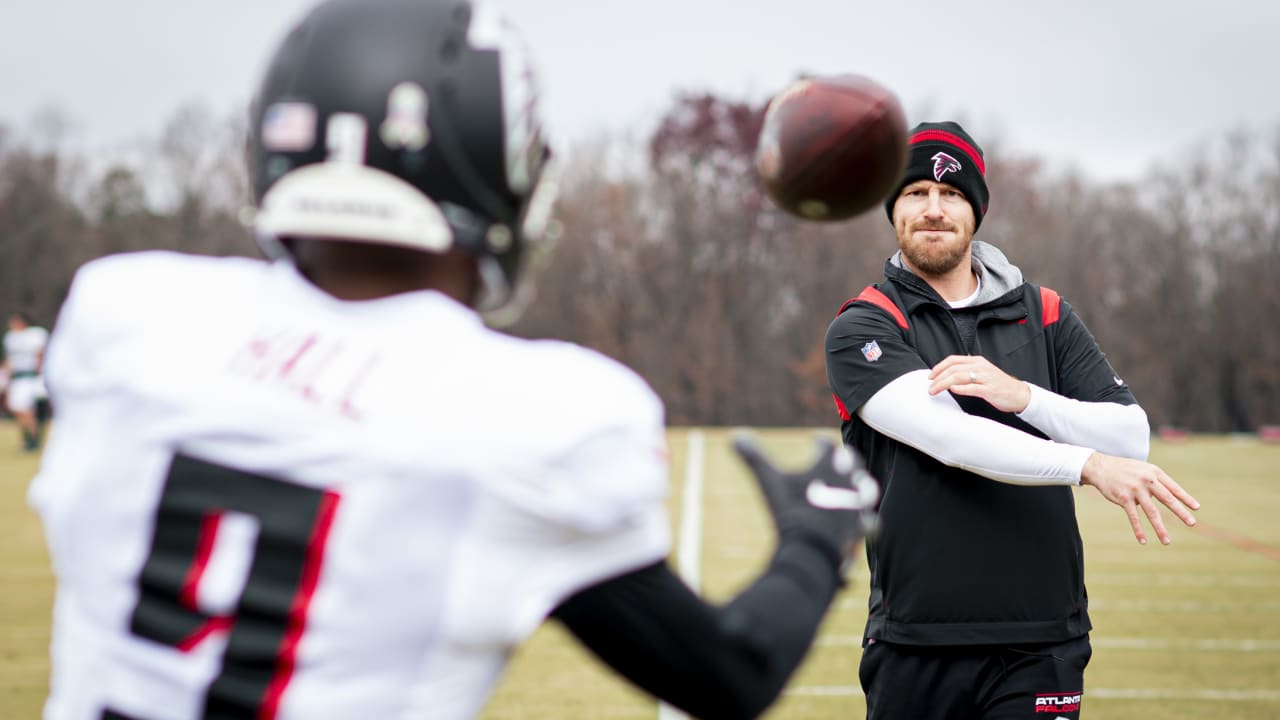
(732,661)
(833,499)
(1136,485)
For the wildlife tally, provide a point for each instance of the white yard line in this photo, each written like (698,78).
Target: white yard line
(689,544)
(1183,606)
(1089,693)
(1192,579)
(1126,643)
(1182,694)
(1205,644)
(1193,607)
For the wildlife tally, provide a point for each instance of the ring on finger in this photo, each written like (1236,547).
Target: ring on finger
(973,377)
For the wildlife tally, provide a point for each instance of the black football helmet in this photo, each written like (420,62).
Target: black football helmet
(403,122)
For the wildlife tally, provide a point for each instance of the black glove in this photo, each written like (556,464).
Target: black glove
(834,498)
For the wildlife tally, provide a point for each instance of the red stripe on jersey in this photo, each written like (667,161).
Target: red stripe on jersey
(188,596)
(841,408)
(297,620)
(952,139)
(204,551)
(210,626)
(1050,306)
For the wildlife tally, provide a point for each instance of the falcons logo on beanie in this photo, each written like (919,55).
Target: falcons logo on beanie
(943,152)
(943,164)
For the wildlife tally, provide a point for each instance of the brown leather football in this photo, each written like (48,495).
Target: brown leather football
(832,147)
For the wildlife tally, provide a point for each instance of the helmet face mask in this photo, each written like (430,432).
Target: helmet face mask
(403,122)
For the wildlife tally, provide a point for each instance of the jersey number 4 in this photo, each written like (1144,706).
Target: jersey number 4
(269,617)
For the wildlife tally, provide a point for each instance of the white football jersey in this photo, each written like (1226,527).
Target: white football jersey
(22,348)
(258,495)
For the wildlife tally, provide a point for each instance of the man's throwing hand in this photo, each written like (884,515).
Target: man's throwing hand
(835,497)
(1134,485)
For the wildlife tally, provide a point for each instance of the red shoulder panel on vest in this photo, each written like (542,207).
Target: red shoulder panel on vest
(1050,303)
(880,300)
(842,408)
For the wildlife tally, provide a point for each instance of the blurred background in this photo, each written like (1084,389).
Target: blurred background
(1133,156)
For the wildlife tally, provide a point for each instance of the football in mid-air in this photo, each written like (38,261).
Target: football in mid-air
(832,147)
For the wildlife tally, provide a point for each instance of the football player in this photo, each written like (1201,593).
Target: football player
(321,487)
(24,346)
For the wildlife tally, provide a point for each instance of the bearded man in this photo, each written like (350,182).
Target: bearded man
(979,400)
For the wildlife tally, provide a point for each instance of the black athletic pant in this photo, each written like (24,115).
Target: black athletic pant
(1026,682)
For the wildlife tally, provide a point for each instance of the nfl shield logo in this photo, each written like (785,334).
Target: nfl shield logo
(871,351)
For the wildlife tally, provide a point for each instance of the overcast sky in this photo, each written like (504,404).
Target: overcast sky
(1109,86)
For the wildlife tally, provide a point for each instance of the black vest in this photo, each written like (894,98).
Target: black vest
(960,559)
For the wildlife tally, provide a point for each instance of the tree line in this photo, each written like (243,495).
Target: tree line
(673,261)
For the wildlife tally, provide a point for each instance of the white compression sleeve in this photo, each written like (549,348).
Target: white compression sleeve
(1107,427)
(936,425)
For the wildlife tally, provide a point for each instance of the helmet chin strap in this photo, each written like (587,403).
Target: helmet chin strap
(469,232)
(271,246)
(495,291)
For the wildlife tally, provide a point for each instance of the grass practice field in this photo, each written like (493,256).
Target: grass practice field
(1187,631)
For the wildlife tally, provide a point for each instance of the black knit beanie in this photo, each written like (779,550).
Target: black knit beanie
(944,152)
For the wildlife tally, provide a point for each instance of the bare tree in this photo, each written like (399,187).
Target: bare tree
(673,261)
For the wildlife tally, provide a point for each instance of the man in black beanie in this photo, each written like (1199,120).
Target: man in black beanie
(979,400)
(945,152)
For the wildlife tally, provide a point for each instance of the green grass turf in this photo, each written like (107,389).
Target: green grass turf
(26,587)
(1172,624)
